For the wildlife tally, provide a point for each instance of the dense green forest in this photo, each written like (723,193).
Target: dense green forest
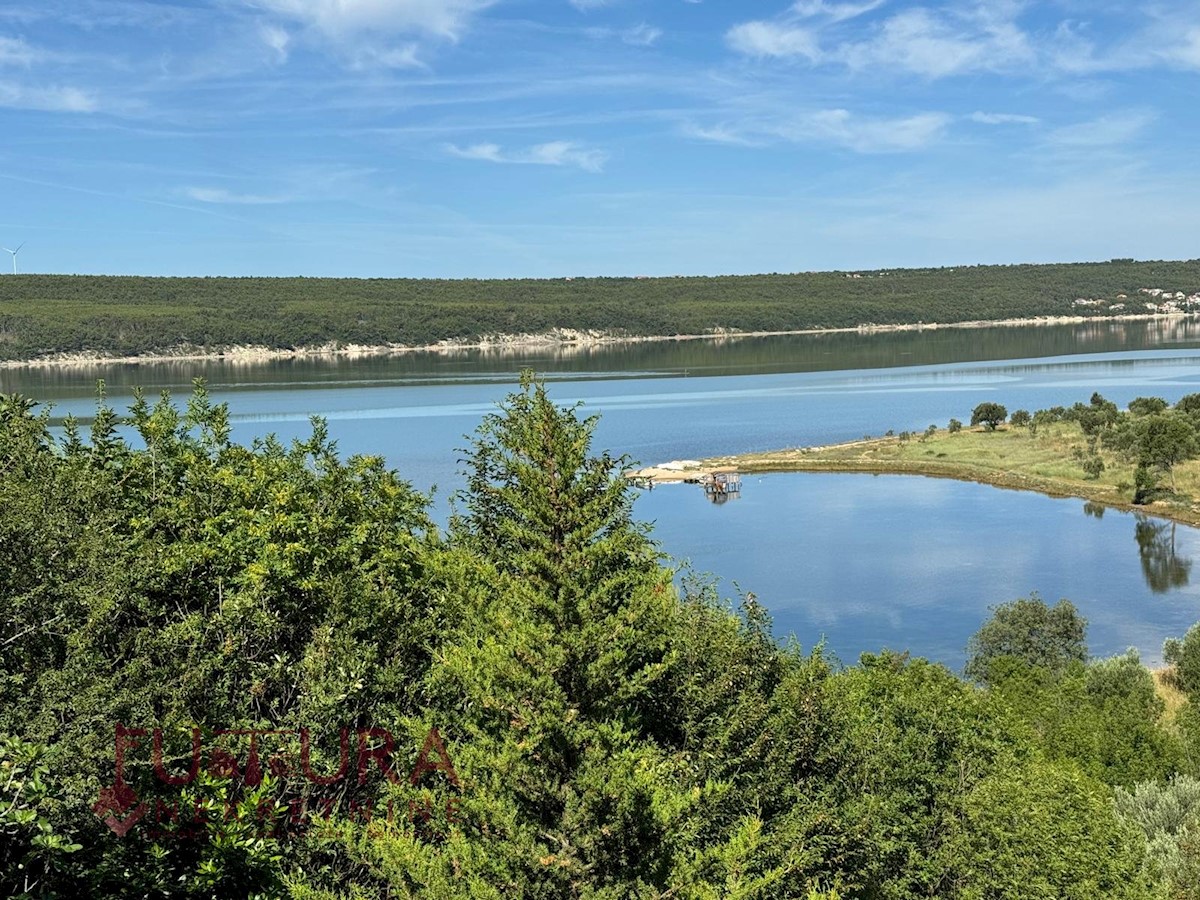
(46,314)
(261,671)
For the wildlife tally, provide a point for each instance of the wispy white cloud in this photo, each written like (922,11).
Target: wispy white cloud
(984,118)
(840,127)
(1072,53)
(221,195)
(288,184)
(398,56)
(1165,35)
(935,46)
(51,99)
(15,52)
(103,14)
(1185,50)
(938,40)
(877,135)
(641,35)
(1105,131)
(586,5)
(922,41)
(344,19)
(277,41)
(554,153)
(834,12)
(365,33)
(719,134)
(488,152)
(772,39)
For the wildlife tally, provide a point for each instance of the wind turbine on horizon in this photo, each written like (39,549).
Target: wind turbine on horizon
(14,254)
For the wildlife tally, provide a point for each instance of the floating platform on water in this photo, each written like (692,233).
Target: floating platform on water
(720,482)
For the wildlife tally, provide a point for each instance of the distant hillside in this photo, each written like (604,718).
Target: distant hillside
(120,316)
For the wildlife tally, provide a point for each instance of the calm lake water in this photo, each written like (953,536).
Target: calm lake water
(860,561)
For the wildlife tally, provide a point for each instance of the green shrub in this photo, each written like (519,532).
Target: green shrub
(1093,466)
(1028,630)
(1184,656)
(1168,815)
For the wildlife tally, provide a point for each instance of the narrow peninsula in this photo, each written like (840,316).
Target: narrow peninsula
(1143,459)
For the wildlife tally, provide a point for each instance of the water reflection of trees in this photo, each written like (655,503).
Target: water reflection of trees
(1162,567)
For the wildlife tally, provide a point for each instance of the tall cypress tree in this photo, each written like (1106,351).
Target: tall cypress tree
(540,506)
(557,668)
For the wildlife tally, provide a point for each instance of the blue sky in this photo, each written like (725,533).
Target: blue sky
(480,138)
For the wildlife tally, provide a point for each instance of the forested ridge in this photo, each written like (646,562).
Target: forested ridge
(205,649)
(120,316)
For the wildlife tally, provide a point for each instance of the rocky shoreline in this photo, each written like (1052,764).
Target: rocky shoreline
(514,343)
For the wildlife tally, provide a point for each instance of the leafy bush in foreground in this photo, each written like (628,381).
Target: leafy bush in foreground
(1030,631)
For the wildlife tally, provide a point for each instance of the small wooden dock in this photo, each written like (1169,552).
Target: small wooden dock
(720,483)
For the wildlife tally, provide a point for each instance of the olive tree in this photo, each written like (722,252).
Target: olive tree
(1163,441)
(1189,404)
(1147,406)
(990,415)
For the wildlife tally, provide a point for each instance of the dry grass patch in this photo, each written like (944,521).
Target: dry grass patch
(1173,698)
